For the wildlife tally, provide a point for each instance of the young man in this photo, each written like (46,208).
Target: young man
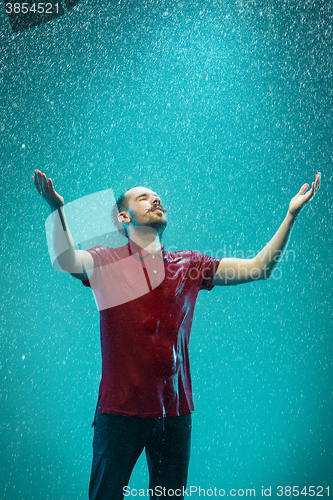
(146,297)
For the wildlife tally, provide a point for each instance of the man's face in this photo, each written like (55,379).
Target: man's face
(145,209)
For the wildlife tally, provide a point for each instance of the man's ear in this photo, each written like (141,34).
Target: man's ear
(123,217)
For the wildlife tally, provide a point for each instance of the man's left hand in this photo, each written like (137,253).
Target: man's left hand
(302,197)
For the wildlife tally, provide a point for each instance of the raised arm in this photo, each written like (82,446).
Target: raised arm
(78,263)
(232,271)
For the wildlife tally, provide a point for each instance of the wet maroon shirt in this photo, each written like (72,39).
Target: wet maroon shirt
(145,331)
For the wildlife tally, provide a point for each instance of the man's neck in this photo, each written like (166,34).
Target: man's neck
(147,238)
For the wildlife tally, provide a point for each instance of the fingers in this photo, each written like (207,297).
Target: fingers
(51,188)
(36,182)
(41,183)
(303,189)
(46,190)
(314,188)
(317,181)
(310,193)
(45,186)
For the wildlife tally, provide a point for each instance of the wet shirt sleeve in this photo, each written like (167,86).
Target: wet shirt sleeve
(203,269)
(100,260)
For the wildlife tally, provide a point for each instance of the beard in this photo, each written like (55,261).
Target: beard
(157,224)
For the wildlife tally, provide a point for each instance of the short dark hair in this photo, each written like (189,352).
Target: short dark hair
(120,205)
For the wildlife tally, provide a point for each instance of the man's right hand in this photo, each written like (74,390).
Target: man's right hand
(45,188)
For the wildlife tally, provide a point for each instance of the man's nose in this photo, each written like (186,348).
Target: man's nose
(156,201)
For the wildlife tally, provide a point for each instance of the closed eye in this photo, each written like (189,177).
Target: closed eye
(146,196)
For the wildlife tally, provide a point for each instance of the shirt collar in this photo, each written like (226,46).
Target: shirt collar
(140,253)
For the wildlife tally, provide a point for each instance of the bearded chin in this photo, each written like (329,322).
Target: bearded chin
(159,226)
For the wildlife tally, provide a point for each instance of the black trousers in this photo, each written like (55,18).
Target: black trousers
(118,443)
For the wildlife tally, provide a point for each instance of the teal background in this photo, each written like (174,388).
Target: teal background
(223,108)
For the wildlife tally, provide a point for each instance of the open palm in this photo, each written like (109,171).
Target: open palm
(46,190)
(303,196)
